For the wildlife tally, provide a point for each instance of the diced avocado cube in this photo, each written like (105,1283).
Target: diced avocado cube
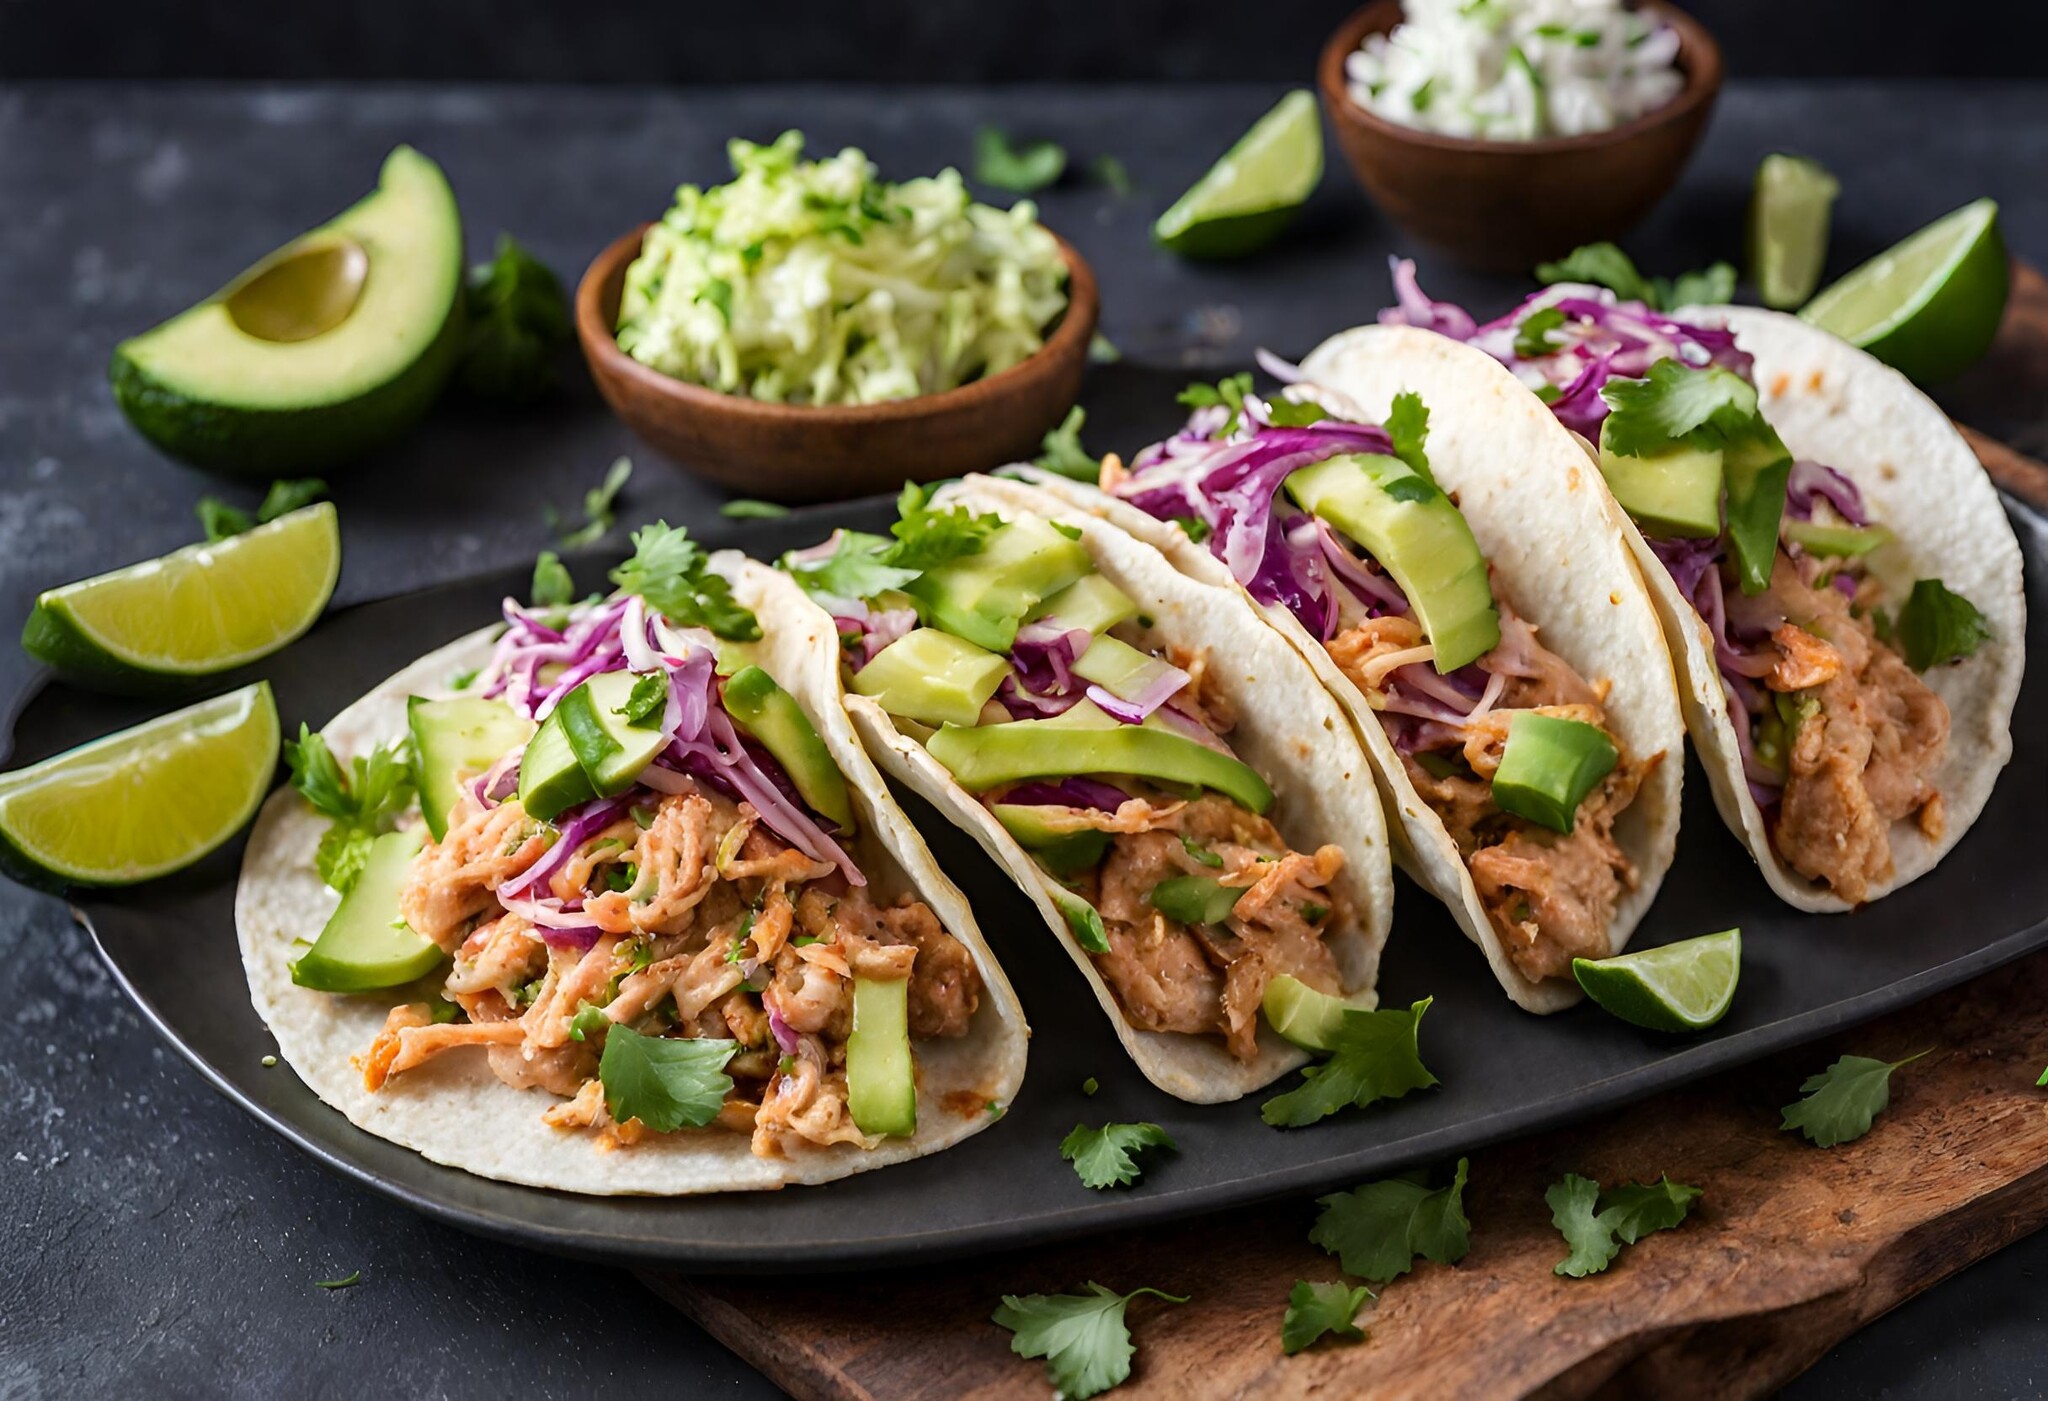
(1062,853)
(365,945)
(1674,494)
(1194,899)
(1548,767)
(1119,668)
(933,677)
(982,597)
(1757,466)
(612,749)
(881,1080)
(773,717)
(1090,602)
(1407,523)
(550,777)
(455,740)
(1835,541)
(1308,1018)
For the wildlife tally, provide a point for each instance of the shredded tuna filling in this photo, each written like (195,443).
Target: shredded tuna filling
(710,923)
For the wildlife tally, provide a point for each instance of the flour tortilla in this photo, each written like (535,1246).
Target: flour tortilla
(1288,730)
(1543,518)
(453,1110)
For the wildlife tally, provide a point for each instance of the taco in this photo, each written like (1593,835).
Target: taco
(1458,582)
(1839,585)
(1156,770)
(654,925)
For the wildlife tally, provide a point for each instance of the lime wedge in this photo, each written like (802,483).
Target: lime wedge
(1930,306)
(1248,196)
(195,612)
(144,802)
(1680,987)
(1788,228)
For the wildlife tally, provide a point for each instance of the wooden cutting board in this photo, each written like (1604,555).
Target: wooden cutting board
(1791,1248)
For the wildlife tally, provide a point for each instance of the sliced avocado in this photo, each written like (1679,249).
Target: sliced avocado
(1308,1018)
(1090,602)
(1675,494)
(881,1079)
(1085,741)
(1548,766)
(455,740)
(329,347)
(612,749)
(1757,465)
(1194,899)
(1835,541)
(1062,853)
(365,944)
(1119,668)
(550,777)
(932,676)
(1404,520)
(982,597)
(773,717)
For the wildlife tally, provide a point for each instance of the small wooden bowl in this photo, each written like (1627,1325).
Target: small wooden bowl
(797,452)
(1504,206)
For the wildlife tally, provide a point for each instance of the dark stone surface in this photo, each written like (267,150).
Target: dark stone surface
(160,1243)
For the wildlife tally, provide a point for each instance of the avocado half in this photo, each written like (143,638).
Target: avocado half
(329,347)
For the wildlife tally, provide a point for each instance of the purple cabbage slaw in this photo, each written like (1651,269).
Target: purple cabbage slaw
(701,744)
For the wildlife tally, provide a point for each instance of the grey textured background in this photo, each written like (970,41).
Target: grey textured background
(158,1244)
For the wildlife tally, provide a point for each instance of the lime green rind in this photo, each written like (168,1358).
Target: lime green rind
(1235,236)
(1250,195)
(1674,988)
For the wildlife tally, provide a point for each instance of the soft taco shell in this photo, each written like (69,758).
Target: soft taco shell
(454,1111)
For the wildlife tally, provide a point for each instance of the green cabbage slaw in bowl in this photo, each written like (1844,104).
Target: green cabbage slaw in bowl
(815,282)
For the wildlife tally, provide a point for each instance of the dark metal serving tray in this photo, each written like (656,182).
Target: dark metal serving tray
(172,946)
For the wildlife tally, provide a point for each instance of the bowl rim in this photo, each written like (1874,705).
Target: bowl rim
(1070,338)
(1699,59)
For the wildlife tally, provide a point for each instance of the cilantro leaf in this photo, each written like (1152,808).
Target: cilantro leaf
(1082,1337)
(2043,1080)
(343,852)
(1060,450)
(352,1278)
(220,520)
(551,587)
(1603,265)
(854,569)
(1295,413)
(1596,1224)
(1532,336)
(286,496)
(1377,1231)
(1022,169)
(1316,1309)
(1637,1209)
(1408,427)
(1375,1057)
(1102,1157)
(742,509)
(1709,286)
(362,801)
(645,700)
(1108,170)
(1102,350)
(927,537)
(1840,1102)
(598,503)
(1671,404)
(1228,391)
(672,572)
(1935,626)
(517,322)
(665,1082)
(1194,527)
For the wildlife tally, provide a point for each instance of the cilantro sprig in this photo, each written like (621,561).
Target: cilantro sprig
(1378,1231)
(1083,1338)
(1060,451)
(517,324)
(672,572)
(1839,1104)
(1316,1309)
(1228,391)
(665,1082)
(1105,1157)
(552,585)
(1374,1056)
(220,520)
(862,565)
(1673,404)
(599,508)
(1605,265)
(1596,1224)
(1022,168)
(1936,625)
(1408,427)
(363,801)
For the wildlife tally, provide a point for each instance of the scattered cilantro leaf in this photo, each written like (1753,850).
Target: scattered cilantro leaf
(1377,1231)
(1935,626)
(1108,170)
(517,323)
(1840,1102)
(1596,1224)
(927,537)
(220,520)
(1083,1337)
(2043,1080)
(598,507)
(1102,350)
(1637,1209)
(552,587)
(1194,527)
(665,1082)
(1408,427)
(1709,286)
(743,509)
(645,700)
(1060,450)
(361,801)
(854,570)
(1103,1157)
(1316,1309)
(1295,413)
(1228,391)
(353,1277)
(287,495)
(1021,169)
(1671,404)
(1532,336)
(672,572)
(1375,1057)
(1603,265)
(343,852)
(588,1022)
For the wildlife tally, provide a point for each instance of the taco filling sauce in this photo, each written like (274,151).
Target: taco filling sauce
(1032,678)
(1818,660)
(1342,524)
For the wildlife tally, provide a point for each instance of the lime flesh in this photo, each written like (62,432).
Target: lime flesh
(195,612)
(144,802)
(1684,986)
(1788,228)
(1930,306)
(1249,196)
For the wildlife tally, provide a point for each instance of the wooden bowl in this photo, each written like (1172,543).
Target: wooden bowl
(798,452)
(1504,206)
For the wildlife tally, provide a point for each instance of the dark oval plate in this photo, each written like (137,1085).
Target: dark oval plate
(1504,1072)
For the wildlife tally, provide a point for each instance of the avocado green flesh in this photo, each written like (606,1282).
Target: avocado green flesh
(1674,494)
(455,740)
(365,945)
(1410,526)
(1548,767)
(1194,899)
(1757,466)
(1090,602)
(1119,668)
(203,388)
(612,749)
(1304,1016)
(550,777)
(1836,541)
(933,677)
(1063,853)
(881,1080)
(773,717)
(982,597)
(1084,741)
